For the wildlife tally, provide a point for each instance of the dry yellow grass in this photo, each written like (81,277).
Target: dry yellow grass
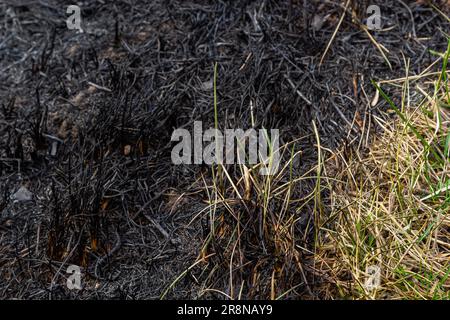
(390,204)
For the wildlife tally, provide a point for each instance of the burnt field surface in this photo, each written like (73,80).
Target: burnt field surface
(86,119)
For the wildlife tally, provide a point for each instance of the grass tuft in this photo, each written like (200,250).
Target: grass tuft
(390,205)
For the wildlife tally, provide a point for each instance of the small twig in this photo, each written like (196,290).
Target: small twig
(301,95)
(335,32)
(99,87)
(161,229)
(101,260)
(412,17)
(380,47)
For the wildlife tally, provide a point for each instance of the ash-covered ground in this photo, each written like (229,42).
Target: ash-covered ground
(86,119)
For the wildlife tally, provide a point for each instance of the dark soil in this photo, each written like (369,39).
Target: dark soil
(86,121)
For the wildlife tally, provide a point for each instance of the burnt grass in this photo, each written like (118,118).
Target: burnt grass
(86,121)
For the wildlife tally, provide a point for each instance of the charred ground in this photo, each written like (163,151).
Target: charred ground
(86,120)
